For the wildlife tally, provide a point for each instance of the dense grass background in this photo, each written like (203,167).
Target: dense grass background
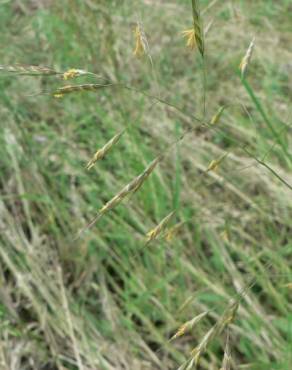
(89,304)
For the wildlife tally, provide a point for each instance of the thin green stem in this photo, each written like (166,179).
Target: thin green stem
(262,163)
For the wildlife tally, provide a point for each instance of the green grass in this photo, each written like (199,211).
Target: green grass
(123,309)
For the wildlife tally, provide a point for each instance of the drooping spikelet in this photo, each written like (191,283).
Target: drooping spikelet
(188,365)
(225,235)
(190,36)
(187,326)
(32,70)
(198,29)
(172,232)
(153,234)
(130,188)
(141,44)
(61,91)
(246,59)
(226,363)
(201,348)
(226,319)
(215,119)
(28,70)
(100,154)
(229,314)
(72,73)
(214,164)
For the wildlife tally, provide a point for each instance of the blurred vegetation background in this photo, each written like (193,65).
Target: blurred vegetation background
(95,303)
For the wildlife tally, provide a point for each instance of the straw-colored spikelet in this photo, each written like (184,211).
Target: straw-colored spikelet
(198,29)
(229,314)
(226,363)
(226,319)
(100,154)
(190,36)
(187,326)
(153,234)
(141,44)
(28,70)
(225,235)
(215,119)
(201,348)
(172,232)
(61,91)
(72,73)
(130,188)
(188,365)
(246,59)
(214,164)
(288,285)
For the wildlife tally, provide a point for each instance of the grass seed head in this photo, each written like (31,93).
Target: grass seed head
(141,45)
(198,351)
(215,119)
(28,70)
(154,233)
(172,232)
(198,29)
(214,164)
(226,363)
(101,153)
(190,37)
(246,59)
(225,235)
(72,73)
(187,326)
(229,314)
(226,319)
(130,188)
(61,91)
(187,365)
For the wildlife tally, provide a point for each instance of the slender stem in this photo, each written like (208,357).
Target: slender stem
(269,168)
(204,87)
(266,119)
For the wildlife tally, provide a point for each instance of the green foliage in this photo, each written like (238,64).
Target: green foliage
(127,299)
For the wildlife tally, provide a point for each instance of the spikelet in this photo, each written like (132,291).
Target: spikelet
(190,36)
(187,365)
(288,285)
(229,314)
(130,188)
(226,363)
(246,59)
(226,319)
(214,164)
(153,234)
(187,326)
(172,232)
(225,236)
(201,348)
(141,44)
(72,73)
(215,119)
(28,70)
(61,91)
(100,154)
(198,29)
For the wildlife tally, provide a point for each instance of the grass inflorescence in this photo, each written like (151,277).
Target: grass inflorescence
(213,288)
